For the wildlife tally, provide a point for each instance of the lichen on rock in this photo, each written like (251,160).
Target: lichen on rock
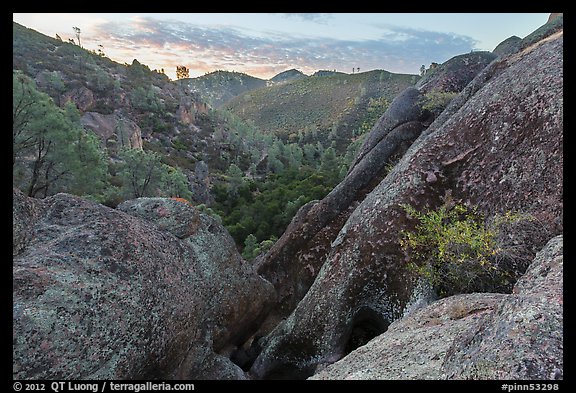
(100,294)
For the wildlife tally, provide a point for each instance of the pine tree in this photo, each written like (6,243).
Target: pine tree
(141,172)
(51,151)
(250,247)
(182,72)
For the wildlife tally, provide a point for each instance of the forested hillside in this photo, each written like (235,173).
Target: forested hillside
(145,135)
(328,107)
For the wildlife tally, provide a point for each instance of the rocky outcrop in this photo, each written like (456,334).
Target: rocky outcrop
(415,346)
(81,96)
(497,146)
(454,74)
(200,183)
(295,260)
(509,45)
(113,129)
(101,294)
(523,337)
(475,336)
(189,108)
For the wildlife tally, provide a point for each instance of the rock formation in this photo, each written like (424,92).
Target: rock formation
(189,108)
(81,96)
(114,128)
(101,294)
(509,45)
(497,146)
(474,336)
(295,260)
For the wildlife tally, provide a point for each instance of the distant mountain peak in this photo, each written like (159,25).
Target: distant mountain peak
(288,75)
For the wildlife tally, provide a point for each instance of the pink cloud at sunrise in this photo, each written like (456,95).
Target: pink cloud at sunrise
(263,45)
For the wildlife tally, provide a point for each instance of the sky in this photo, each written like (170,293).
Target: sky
(265,44)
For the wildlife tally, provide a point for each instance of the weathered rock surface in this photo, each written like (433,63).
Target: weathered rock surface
(200,183)
(123,131)
(475,336)
(523,337)
(415,347)
(295,260)
(189,108)
(172,216)
(101,294)
(497,146)
(81,96)
(454,74)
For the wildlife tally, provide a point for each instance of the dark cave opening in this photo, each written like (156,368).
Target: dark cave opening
(244,358)
(367,325)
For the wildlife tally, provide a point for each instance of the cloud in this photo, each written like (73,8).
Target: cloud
(204,49)
(317,17)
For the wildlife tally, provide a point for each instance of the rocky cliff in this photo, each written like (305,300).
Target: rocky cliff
(497,146)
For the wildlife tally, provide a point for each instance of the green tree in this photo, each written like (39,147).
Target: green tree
(145,99)
(29,106)
(101,81)
(329,161)
(141,172)
(311,154)
(275,153)
(266,245)
(137,70)
(235,179)
(250,246)
(77,32)
(174,183)
(51,151)
(89,163)
(55,85)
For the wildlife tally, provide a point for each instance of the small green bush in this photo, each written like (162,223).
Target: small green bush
(437,101)
(454,249)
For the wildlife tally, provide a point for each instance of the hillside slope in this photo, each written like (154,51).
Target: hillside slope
(321,107)
(218,87)
(129,105)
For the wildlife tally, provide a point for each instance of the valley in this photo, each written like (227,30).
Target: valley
(371,225)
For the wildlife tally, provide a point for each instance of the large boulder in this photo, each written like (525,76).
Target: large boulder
(475,336)
(497,146)
(160,292)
